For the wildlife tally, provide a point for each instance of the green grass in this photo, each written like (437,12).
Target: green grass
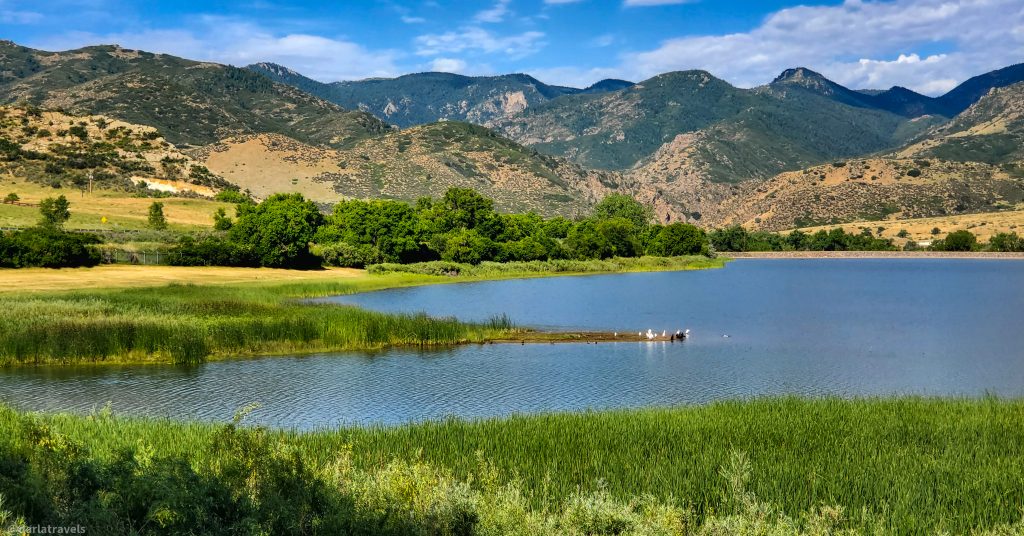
(906,466)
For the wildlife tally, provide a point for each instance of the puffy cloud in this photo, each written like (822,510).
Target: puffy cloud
(448,65)
(241,43)
(496,13)
(858,43)
(476,39)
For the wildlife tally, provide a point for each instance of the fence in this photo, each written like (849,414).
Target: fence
(121,256)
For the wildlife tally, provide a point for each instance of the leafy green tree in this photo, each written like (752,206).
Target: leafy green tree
(624,206)
(462,208)
(468,246)
(557,227)
(678,239)
(54,212)
(621,235)
(11,198)
(962,240)
(585,241)
(279,230)
(221,221)
(733,238)
(156,219)
(391,228)
(1006,242)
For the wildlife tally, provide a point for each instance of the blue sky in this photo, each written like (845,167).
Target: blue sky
(927,45)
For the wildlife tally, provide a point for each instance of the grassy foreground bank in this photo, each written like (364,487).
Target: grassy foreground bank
(785,466)
(184,323)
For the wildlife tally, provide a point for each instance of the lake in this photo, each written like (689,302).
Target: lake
(842,327)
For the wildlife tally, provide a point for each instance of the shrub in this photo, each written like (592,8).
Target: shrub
(47,247)
(678,239)
(914,172)
(1006,242)
(962,240)
(210,251)
(11,198)
(232,196)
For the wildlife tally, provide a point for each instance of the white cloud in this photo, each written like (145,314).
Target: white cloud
(476,39)
(859,43)
(560,2)
(241,43)
(413,20)
(448,65)
(496,13)
(646,3)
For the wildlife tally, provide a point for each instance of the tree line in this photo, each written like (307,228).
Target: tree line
(289,231)
(286,230)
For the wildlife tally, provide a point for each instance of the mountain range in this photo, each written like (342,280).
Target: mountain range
(800,149)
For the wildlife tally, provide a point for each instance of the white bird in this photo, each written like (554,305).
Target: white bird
(640,334)
(663,333)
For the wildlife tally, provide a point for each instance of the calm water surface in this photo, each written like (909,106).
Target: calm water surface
(810,327)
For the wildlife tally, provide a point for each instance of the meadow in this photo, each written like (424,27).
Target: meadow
(188,323)
(773,466)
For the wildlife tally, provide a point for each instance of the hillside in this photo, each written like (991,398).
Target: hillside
(991,131)
(58,150)
(872,190)
(421,98)
(416,162)
(107,168)
(190,102)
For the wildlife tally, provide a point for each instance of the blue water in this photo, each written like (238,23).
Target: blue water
(855,327)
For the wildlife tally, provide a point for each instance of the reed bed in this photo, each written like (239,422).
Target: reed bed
(188,324)
(558,266)
(918,466)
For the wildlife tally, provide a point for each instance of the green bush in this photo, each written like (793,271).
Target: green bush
(46,247)
(962,240)
(678,239)
(1006,242)
(210,251)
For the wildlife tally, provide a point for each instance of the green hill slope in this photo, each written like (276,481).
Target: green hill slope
(190,102)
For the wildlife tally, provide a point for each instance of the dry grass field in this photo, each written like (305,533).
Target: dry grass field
(129,276)
(121,210)
(983,225)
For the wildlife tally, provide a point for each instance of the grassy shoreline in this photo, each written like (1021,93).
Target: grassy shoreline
(192,323)
(875,466)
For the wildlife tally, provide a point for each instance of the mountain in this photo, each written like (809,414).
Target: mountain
(608,84)
(190,102)
(731,134)
(419,161)
(421,98)
(966,94)
(991,131)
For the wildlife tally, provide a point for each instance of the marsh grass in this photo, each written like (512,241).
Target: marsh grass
(560,266)
(776,466)
(188,324)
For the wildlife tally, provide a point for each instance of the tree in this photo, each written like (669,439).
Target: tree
(962,240)
(54,212)
(678,239)
(467,246)
(462,208)
(733,238)
(586,242)
(390,228)
(1006,242)
(624,206)
(12,198)
(221,221)
(156,218)
(279,230)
